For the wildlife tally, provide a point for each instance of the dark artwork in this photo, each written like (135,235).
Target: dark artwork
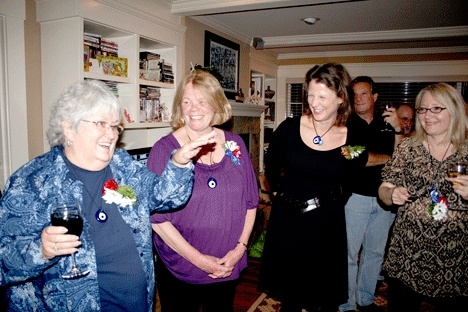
(223,55)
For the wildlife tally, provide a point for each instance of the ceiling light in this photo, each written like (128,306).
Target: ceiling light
(310,20)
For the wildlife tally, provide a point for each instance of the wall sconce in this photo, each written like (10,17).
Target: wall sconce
(258,43)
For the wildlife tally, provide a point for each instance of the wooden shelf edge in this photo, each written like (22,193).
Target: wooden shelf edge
(146,125)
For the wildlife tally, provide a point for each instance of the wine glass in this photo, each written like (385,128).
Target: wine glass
(387,127)
(456,169)
(69,216)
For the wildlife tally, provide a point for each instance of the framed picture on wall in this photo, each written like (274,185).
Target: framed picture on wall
(223,55)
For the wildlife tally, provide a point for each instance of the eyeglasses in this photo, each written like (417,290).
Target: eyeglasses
(104,126)
(435,110)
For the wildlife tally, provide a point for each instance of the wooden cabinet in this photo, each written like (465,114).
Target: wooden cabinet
(133,31)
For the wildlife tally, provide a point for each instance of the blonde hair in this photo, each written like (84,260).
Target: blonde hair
(450,98)
(209,86)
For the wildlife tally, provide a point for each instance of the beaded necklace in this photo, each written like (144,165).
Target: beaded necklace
(434,192)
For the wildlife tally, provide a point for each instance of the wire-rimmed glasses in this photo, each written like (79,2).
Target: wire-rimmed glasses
(104,126)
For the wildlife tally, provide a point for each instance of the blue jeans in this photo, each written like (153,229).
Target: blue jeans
(367,226)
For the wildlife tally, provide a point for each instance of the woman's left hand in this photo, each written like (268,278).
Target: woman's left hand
(183,156)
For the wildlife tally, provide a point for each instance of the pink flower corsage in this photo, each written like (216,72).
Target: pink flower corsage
(233,151)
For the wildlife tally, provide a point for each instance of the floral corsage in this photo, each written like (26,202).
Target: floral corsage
(351,152)
(122,195)
(439,207)
(233,151)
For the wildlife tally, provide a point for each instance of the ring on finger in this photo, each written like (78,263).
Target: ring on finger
(55,247)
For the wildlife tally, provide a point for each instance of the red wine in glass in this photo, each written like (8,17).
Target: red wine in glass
(73,222)
(388,127)
(68,215)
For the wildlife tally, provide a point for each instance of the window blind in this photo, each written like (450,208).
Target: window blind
(295,99)
(395,92)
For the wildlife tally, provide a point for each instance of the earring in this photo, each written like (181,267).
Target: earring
(69,143)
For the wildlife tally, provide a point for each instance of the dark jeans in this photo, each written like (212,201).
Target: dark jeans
(401,298)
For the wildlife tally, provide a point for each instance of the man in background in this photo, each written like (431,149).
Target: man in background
(405,113)
(367,222)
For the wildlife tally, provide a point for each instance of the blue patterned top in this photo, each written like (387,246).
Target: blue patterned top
(35,284)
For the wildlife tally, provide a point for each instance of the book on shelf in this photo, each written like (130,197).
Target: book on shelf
(86,57)
(92,36)
(146,55)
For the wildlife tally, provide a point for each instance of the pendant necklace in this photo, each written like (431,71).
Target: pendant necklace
(211,182)
(318,138)
(434,192)
(100,215)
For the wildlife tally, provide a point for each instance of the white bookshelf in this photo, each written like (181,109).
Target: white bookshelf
(63,24)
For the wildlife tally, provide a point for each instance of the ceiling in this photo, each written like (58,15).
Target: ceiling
(344,28)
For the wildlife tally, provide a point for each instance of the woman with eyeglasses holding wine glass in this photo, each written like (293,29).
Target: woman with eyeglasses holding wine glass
(427,258)
(109,230)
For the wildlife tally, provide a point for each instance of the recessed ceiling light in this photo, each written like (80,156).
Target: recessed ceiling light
(310,20)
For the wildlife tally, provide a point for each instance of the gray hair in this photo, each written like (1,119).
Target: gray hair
(78,102)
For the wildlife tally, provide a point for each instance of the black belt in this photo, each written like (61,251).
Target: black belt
(311,204)
(300,206)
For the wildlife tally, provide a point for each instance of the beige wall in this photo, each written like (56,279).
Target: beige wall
(193,52)
(195,46)
(33,81)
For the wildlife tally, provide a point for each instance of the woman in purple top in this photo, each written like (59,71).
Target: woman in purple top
(201,248)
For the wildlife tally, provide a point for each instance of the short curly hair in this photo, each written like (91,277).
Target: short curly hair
(78,102)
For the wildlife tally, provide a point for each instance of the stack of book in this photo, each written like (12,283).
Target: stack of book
(109,48)
(94,46)
(166,72)
(150,108)
(150,66)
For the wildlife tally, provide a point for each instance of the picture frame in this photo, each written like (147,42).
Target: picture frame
(223,55)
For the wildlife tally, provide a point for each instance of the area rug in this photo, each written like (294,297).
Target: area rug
(267,304)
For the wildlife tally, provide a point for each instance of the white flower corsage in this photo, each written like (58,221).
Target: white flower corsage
(122,195)
(233,151)
(351,152)
(439,207)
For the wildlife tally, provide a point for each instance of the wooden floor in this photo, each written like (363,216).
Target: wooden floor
(247,292)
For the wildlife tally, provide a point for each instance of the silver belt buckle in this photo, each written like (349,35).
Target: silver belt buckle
(312,204)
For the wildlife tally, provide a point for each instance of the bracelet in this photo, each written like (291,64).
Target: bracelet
(242,244)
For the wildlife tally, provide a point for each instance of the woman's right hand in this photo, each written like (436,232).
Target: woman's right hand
(393,195)
(183,156)
(210,265)
(56,242)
